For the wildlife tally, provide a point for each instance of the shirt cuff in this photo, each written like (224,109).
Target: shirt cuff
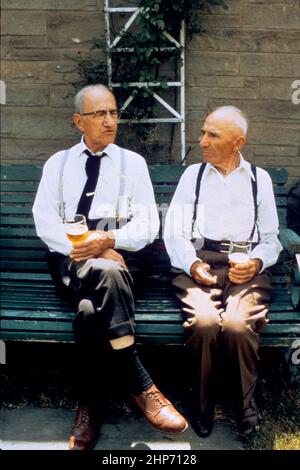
(118,245)
(188,264)
(262,266)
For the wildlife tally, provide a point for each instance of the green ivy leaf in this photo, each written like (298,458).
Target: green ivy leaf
(160,24)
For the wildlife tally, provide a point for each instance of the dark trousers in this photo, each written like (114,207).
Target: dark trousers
(102,295)
(223,323)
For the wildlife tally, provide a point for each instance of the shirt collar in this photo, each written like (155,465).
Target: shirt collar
(246,165)
(82,147)
(243,164)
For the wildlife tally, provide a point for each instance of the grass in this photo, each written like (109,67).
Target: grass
(279,403)
(39,374)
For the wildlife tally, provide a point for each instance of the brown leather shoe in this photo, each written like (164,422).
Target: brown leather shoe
(85,430)
(159,412)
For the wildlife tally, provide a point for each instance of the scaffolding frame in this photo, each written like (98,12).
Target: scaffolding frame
(111,45)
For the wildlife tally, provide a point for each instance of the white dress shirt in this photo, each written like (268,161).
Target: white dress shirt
(138,201)
(225,212)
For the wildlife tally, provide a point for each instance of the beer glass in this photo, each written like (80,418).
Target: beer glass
(76,229)
(239,252)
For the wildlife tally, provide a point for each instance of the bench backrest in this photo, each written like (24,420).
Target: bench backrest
(22,251)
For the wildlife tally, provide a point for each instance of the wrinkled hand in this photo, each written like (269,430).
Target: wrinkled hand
(199,274)
(242,272)
(93,248)
(109,253)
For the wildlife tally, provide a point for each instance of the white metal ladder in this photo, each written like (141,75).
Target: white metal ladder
(176,116)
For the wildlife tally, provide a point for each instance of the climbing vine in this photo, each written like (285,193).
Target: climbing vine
(148,57)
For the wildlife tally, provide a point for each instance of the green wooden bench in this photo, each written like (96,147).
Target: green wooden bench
(31,310)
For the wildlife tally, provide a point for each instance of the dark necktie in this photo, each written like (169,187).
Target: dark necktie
(92,168)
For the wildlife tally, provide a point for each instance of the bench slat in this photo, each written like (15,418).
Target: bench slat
(27,276)
(35,325)
(16,209)
(11,294)
(17,220)
(22,254)
(24,265)
(18,198)
(22,243)
(10,186)
(17,232)
(53,337)
(174,316)
(141,327)
(21,172)
(163,173)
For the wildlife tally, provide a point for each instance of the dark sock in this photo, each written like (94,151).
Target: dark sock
(90,367)
(133,373)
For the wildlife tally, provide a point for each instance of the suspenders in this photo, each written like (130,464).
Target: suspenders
(122,183)
(254,193)
(121,188)
(197,194)
(60,186)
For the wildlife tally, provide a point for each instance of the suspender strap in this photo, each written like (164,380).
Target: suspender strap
(254,193)
(122,182)
(60,187)
(197,194)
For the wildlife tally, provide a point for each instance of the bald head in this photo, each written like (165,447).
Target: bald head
(231,116)
(223,137)
(89,91)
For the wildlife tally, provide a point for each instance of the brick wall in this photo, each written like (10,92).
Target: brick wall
(247,56)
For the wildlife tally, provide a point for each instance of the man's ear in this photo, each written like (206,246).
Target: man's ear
(240,142)
(77,119)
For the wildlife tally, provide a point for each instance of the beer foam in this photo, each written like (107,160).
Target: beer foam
(76,230)
(238,257)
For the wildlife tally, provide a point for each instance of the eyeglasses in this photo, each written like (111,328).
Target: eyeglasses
(101,114)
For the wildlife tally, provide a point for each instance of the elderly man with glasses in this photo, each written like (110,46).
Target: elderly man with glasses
(111,187)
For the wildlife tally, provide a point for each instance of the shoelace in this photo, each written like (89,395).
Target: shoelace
(156,396)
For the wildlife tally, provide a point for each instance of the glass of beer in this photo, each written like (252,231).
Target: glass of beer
(239,252)
(76,229)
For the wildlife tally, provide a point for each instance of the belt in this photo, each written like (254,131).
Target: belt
(106,223)
(220,246)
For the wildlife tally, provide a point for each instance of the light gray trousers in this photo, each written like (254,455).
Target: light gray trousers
(223,323)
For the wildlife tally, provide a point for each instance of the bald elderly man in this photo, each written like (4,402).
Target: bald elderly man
(111,187)
(223,200)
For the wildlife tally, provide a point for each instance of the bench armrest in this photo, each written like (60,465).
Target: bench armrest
(295,288)
(290,240)
(297,270)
